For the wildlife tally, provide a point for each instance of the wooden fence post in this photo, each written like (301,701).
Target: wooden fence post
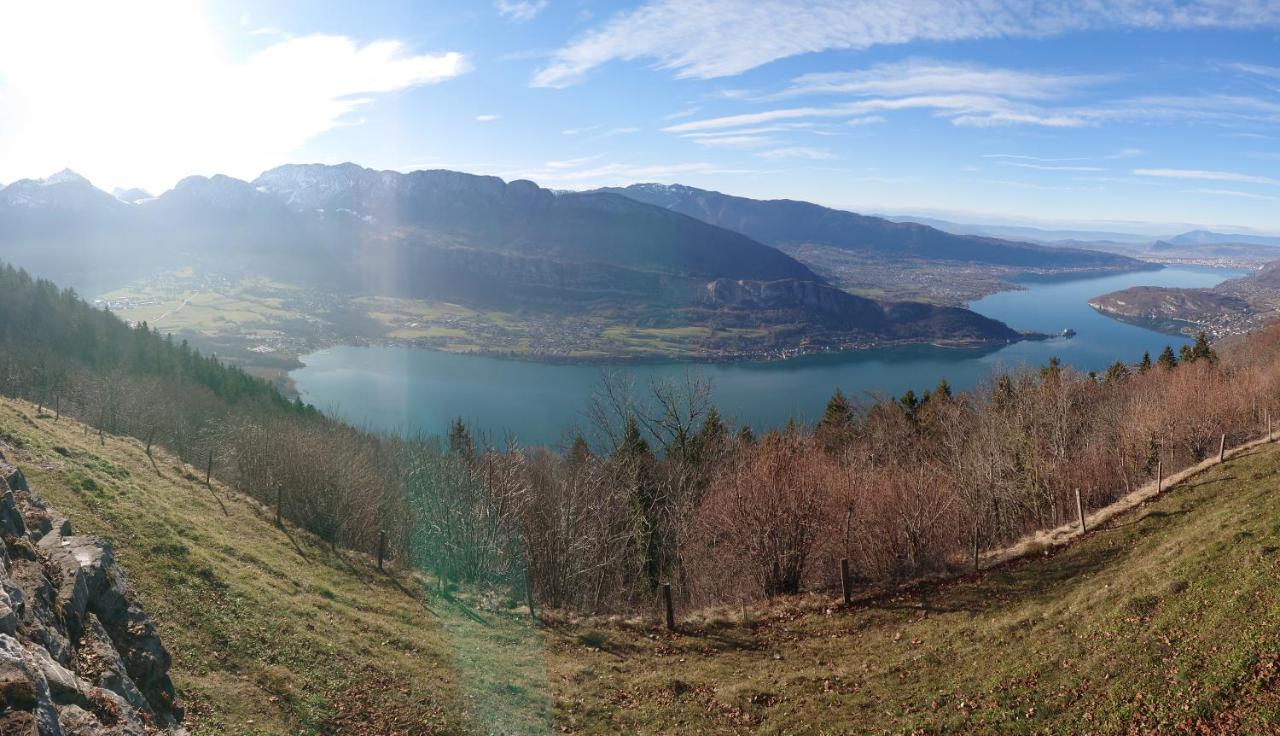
(279,504)
(1270,436)
(1222,449)
(382,547)
(102,440)
(150,435)
(1080,512)
(57,408)
(1159,475)
(845,586)
(671,611)
(208,471)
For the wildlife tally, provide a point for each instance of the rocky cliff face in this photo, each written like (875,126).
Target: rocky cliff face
(78,656)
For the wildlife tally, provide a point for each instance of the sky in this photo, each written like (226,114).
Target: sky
(1092,113)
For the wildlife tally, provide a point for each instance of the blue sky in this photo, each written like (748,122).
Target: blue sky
(1131,111)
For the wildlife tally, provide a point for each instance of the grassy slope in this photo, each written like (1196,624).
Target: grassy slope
(1167,619)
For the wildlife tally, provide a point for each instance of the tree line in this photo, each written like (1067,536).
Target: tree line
(659,487)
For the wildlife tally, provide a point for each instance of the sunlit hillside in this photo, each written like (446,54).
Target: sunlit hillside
(1163,620)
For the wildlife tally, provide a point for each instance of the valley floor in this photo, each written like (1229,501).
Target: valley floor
(266,326)
(1165,620)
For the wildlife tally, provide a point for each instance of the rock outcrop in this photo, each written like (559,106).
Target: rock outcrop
(78,656)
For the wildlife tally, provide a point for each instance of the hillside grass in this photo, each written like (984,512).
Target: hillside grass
(1165,620)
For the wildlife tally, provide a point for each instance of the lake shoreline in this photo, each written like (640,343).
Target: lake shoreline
(418,391)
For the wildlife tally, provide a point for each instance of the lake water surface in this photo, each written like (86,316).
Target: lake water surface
(411,390)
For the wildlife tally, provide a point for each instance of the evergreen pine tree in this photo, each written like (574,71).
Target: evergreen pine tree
(579,451)
(1202,350)
(835,429)
(1145,365)
(1167,359)
(942,390)
(909,403)
(1053,370)
(710,438)
(460,442)
(1117,372)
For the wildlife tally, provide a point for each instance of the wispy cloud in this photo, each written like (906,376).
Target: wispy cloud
(486,118)
(1126,153)
(623,173)
(720,38)
(520,11)
(572,163)
(970,110)
(1259,70)
(1201,175)
(1050,167)
(866,120)
(927,77)
(814,154)
(735,141)
(685,113)
(1040,159)
(1230,193)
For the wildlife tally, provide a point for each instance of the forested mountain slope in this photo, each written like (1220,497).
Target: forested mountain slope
(1162,621)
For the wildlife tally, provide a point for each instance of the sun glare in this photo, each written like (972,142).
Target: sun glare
(144,93)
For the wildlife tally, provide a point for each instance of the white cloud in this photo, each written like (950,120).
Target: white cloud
(866,120)
(815,154)
(572,163)
(1260,70)
(1049,167)
(1230,193)
(1040,159)
(718,38)
(1202,175)
(925,77)
(734,141)
(960,109)
(520,11)
(621,173)
(1127,153)
(487,118)
(145,94)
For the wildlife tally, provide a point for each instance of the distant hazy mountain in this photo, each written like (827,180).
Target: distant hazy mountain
(788,222)
(1026,233)
(1086,238)
(446,235)
(1206,237)
(484,212)
(131,196)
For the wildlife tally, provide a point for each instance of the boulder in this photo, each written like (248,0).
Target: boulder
(13,477)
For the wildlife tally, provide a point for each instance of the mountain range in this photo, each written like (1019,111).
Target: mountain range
(785,222)
(1085,238)
(661,257)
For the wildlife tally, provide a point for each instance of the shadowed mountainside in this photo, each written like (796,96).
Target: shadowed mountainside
(442,235)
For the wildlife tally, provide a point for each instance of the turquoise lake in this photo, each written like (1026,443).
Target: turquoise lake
(409,390)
